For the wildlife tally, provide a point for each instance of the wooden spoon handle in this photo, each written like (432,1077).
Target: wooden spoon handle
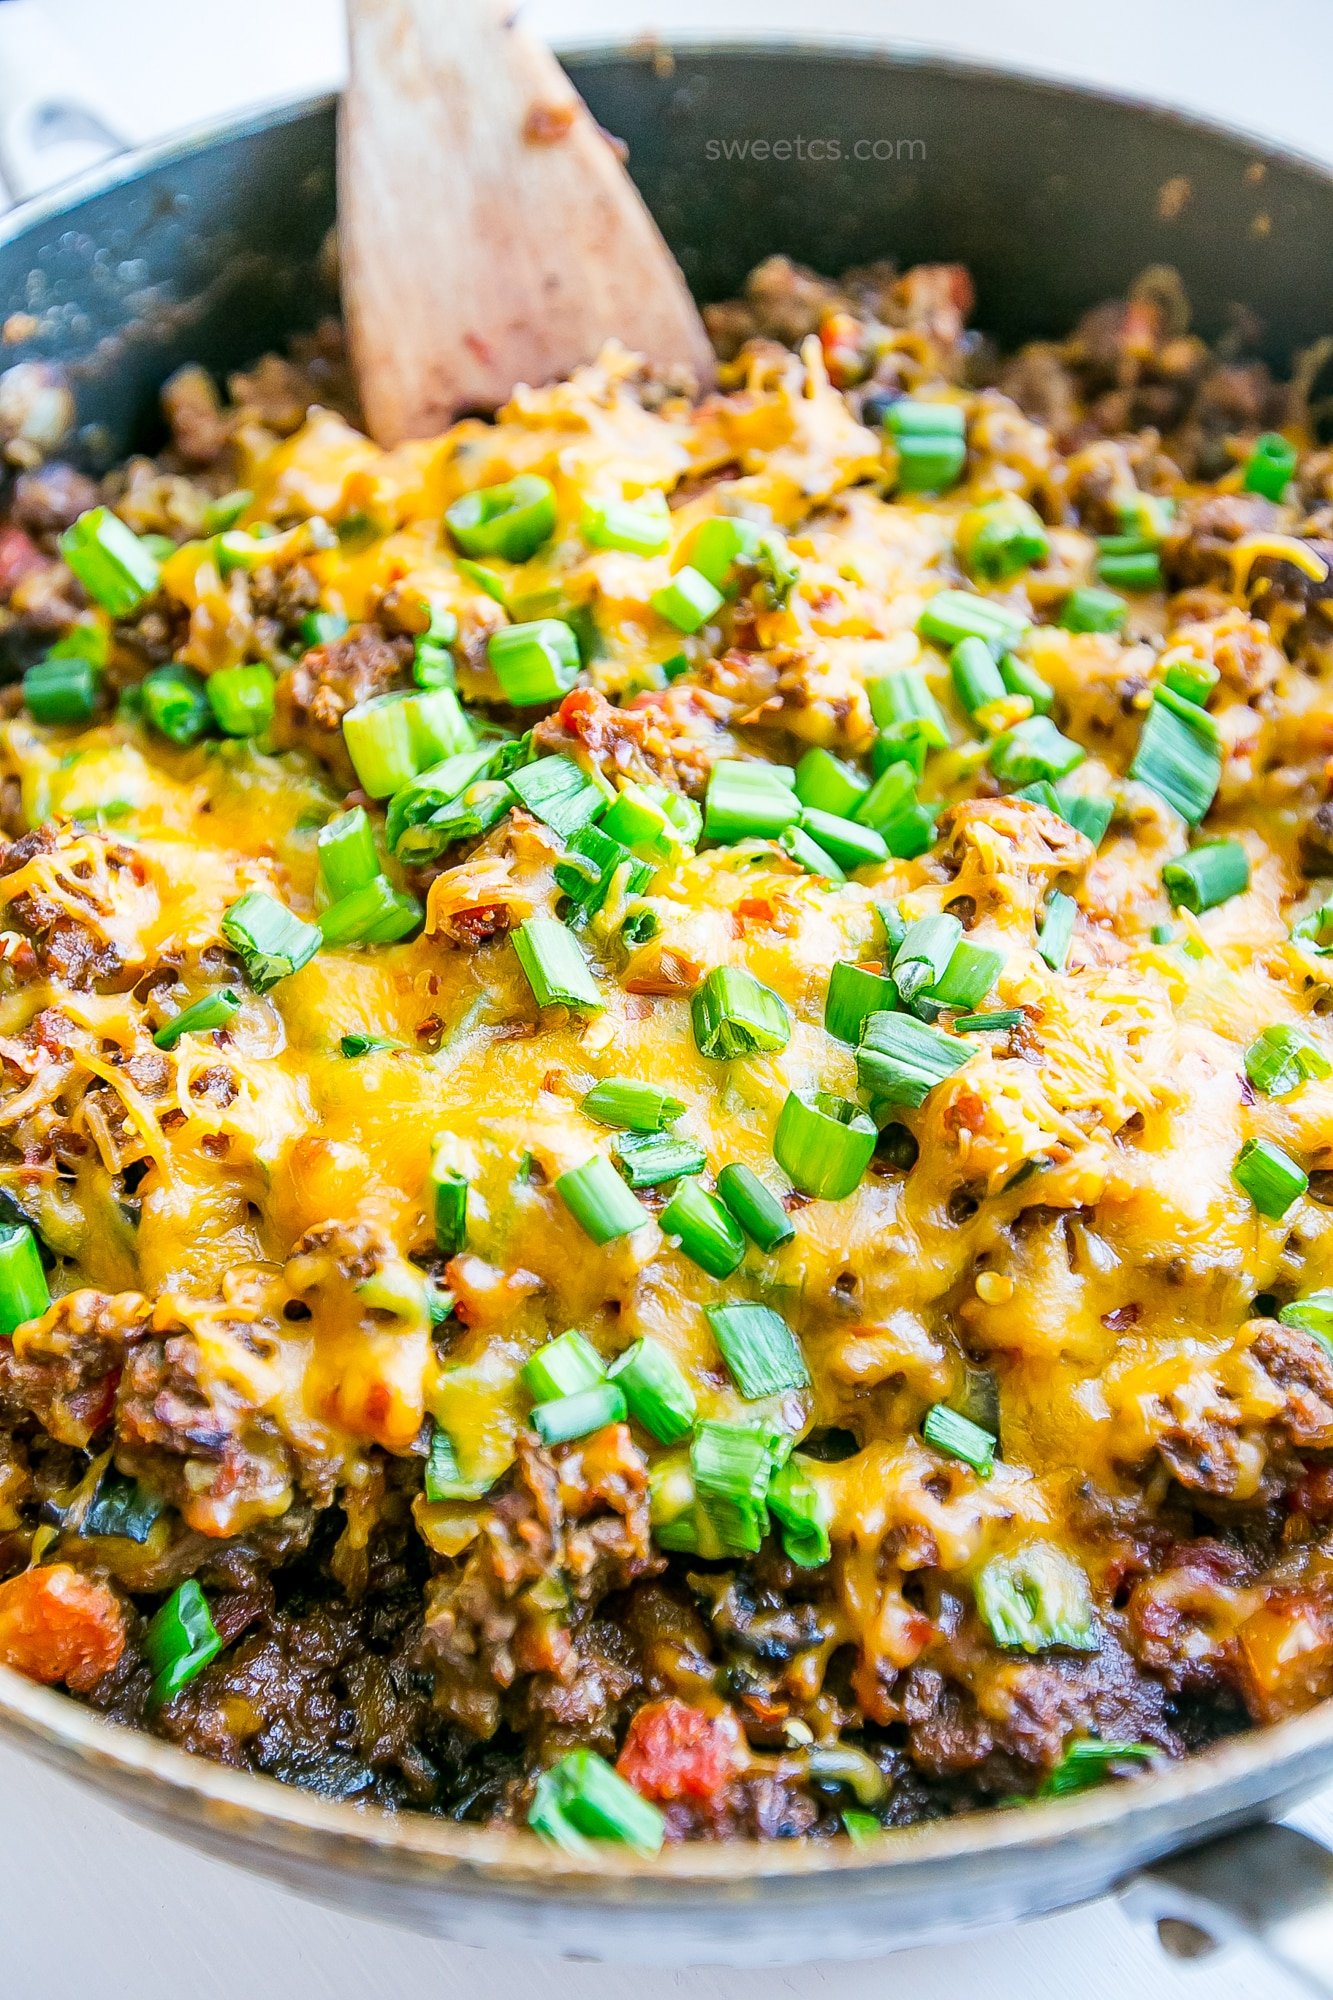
(489,234)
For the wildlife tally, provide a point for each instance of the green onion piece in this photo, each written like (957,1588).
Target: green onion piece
(427,813)
(438,726)
(1035,1598)
(905,697)
(378,736)
(591,865)
(749,801)
(269,941)
(1179,754)
(432,661)
(958,1437)
(1089,609)
(981,1024)
(1087,814)
(1034,749)
(931,441)
(1312,1314)
(732,1465)
(179,1642)
(1020,678)
(563,1367)
(599,1201)
(61,689)
(952,615)
(760,1349)
(673,1514)
(534,663)
(446,1201)
(901,1059)
(485,579)
(647,1159)
(826,783)
(688,601)
(583,1799)
(733,1015)
(123,1508)
(1057,929)
(1194,680)
(861,1828)
(1087,1761)
(1270,1177)
(721,545)
(175,701)
(1315,931)
(912,416)
(708,1235)
(578,1415)
(511,521)
(1283,1058)
(345,846)
(657,1393)
(1162,933)
(442,1479)
(968,977)
(1147,515)
(556,791)
(977,680)
(891,807)
(377,913)
(554,967)
(802,1513)
(664,823)
(853,992)
(632,1107)
(224,513)
(756,1208)
(796,843)
(354,1046)
(242,699)
(640,528)
(24,1293)
(928,944)
(1128,569)
(322,628)
(1000,538)
(214,1010)
(1268,469)
(110,561)
(1207,875)
(850,845)
(822,1143)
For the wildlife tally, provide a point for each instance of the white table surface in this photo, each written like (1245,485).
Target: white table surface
(90,1904)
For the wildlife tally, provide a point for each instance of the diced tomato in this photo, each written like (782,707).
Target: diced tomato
(57,1624)
(19,557)
(674,1752)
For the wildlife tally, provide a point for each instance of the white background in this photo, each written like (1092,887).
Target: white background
(90,1905)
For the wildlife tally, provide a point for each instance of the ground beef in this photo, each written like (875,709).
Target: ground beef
(315,694)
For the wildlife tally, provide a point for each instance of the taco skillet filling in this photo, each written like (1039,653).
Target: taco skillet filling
(667,1118)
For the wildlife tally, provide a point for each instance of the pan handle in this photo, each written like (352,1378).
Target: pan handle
(1271,1884)
(54,119)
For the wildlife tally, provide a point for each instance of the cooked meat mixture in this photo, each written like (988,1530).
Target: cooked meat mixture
(667,1124)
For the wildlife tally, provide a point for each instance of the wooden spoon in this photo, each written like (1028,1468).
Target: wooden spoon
(488,233)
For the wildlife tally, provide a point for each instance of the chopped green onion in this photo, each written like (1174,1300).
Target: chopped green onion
(110,561)
(61,689)
(485,579)
(647,1159)
(1127,569)
(554,967)
(1312,1314)
(1284,1057)
(564,1367)
(796,843)
(853,992)
(1057,929)
(1207,876)
(511,521)
(977,680)
(721,545)
(1147,515)
(591,865)
(442,1479)
(968,977)
(1035,1598)
(242,699)
(749,801)
(861,1828)
(928,944)
(639,528)
(982,1024)
(447,1199)
(24,1293)
(175,701)
(688,601)
(657,1393)
(322,628)
(732,1465)
(1086,813)
(1270,1177)
(708,1236)
(760,1349)
(664,823)
(1179,754)
(438,726)
(958,1437)
(556,792)
(823,1144)
(931,441)
(582,1799)
(355,1046)
(1162,933)
(378,736)
(1192,679)
(891,807)
(1269,468)
(377,913)
(345,846)
(1089,609)
(912,416)
(599,1201)
(179,1641)
(826,783)
(901,1059)
(633,1107)
(1020,678)
(534,663)
(734,1015)
(1087,1761)
(270,942)
(952,615)
(1315,931)
(803,1514)
(214,1010)
(756,1208)
(432,661)
(224,513)
(1034,749)
(1001,537)
(904,697)
(427,813)
(849,844)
